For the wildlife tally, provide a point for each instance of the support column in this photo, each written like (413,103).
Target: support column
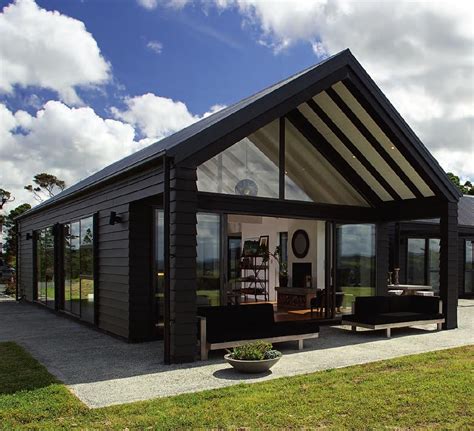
(382,245)
(182,264)
(448,271)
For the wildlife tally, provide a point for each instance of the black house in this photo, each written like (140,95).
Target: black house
(135,248)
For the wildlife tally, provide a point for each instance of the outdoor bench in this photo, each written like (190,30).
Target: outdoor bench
(387,312)
(233,325)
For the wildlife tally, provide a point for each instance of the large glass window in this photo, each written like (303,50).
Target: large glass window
(45,292)
(79,268)
(159,256)
(416,263)
(469,268)
(355,262)
(248,168)
(423,262)
(433,263)
(208,259)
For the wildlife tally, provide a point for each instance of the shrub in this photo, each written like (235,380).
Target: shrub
(256,351)
(10,287)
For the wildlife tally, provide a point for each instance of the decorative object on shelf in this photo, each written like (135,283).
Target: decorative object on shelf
(389,279)
(257,357)
(246,187)
(396,276)
(251,247)
(263,244)
(308,282)
(300,243)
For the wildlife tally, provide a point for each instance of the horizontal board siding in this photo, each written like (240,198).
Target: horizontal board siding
(141,265)
(113,242)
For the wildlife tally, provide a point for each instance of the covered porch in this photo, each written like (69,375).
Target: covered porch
(324,150)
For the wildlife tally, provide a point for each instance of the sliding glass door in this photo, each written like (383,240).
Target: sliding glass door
(469,268)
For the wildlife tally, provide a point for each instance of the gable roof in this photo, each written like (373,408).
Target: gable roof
(278,99)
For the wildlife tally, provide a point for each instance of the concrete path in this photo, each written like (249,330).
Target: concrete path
(102,370)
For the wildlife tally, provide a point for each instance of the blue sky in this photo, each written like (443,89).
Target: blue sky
(207,57)
(86,82)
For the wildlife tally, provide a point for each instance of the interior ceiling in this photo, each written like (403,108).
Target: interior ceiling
(356,137)
(335,153)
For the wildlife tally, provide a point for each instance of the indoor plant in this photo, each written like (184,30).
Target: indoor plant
(256,357)
(282,268)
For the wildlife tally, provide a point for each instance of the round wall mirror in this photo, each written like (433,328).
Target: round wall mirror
(300,243)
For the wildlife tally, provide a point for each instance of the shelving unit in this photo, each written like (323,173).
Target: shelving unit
(254,276)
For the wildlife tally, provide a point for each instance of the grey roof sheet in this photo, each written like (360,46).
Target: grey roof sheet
(465,212)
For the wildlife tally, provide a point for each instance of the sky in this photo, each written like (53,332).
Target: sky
(84,83)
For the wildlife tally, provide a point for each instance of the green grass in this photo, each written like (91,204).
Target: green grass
(428,391)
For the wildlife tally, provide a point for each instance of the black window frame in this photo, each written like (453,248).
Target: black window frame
(86,276)
(427,271)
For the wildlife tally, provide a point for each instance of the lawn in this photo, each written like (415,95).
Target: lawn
(428,391)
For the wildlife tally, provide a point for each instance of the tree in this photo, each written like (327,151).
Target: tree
(10,232)
(46,186)
(466,188)
(5,197)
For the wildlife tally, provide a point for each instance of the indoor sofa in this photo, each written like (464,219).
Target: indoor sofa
(387,312)
(234,325)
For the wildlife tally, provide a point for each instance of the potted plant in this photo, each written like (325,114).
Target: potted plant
(256,357)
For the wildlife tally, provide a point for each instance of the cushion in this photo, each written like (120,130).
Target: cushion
(235,320)
(370,305)
(395,317)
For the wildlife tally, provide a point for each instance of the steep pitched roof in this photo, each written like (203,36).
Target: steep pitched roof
(189,141)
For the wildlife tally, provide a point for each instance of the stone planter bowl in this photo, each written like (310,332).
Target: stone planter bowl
(252,367)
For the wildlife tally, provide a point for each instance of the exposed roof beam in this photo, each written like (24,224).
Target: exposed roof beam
(373,141)
(333,157)
(233,204)
(352,148)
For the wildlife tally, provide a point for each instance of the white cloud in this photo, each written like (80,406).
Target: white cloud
(155,46)
(152,4)
(71,143)
(47,49)
(420,53)
(156,116)
(148,4)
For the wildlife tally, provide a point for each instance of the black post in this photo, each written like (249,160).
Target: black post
(166,245)
(448,270)
(182,270)
(17,256)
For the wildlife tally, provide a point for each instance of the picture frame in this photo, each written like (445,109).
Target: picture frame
(251,247)
(263,242)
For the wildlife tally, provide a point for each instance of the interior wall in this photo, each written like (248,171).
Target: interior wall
(253,227)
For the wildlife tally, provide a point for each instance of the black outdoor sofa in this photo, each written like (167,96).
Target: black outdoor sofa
(387,312)
(234,325)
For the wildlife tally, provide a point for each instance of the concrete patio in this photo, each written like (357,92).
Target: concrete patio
(103,371)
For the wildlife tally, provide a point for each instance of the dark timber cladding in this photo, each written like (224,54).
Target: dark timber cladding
(182,255)
(333,113)
(113,270)
(448,270)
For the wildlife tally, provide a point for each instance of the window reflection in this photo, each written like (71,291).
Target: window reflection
(208,259)
(79,268)
(416,261)
(248,168)
(159,269)
(45,292)
(355,262)
(469,268)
